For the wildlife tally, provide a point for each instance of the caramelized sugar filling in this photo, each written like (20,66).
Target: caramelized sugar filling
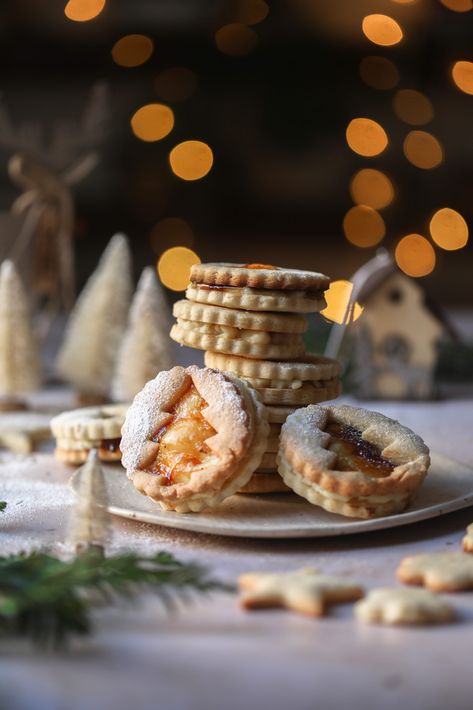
(354,453)
(259,266)
(182,440)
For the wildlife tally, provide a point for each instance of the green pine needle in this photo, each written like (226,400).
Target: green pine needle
(48,600)
(3,505)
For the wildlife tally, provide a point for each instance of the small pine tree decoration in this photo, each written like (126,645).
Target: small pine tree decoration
(19,354)
(146,348)
(90,523)
(97,323)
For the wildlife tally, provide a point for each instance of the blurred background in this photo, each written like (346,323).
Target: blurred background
(305,133)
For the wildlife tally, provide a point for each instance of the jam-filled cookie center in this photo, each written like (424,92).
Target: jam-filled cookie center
(354,453)
(182,439)
(260,266)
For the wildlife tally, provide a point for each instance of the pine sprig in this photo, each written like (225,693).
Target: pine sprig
(3,505)
(48,600)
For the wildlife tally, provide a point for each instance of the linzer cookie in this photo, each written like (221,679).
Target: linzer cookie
(257,299)
(264,276)
(249,343)
(246,320)
(307,393)
(351,461)
(306,367)
(80,430)
(193,437)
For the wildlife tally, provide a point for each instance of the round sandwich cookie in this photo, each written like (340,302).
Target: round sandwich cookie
(265,276)
(304,367)
(192,437)
(248,343)
(253,299)
(240,320)
(351,461)
(80,430)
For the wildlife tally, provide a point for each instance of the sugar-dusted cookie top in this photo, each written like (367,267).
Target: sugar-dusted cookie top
(265,276)
(192,437)
(396,605)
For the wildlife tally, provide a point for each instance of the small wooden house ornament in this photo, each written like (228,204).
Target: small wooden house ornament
(395,339)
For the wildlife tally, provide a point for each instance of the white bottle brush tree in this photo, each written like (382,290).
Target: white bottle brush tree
(19,354)
(89,526)
(146,348)
(97,323)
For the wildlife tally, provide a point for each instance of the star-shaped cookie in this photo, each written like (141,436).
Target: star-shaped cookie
(403,606)
(438,571)
(305,591)
(21,431)
(468,539)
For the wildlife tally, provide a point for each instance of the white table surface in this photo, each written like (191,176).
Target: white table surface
(212,655)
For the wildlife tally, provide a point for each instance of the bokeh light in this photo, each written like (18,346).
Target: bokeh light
(413,107)
(132,50)
(339,308)
(83,10)
(423,150)
(448,229)
(191,160)
(174,267)
(169,232)
(379,73)
(236,39)
(363,226)
(382,30)
(366,137)
(415,255)
(176,84)
(250,12)
(372,187)
(458,5)
(152,122)
(462,74)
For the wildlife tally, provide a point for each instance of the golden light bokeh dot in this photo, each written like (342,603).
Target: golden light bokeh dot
(174,267)
(339,308)
(176,84)
(371,187)
(458,5)
(382,30)
(415,255)
(366,137)
(169,232)
(379,73)
(83,10)
(250,12)
(448,229)
(152,122)
(363,226)
(236,39)
(132,50)
(423,150)
(462,75)
(191,160)
(413,107)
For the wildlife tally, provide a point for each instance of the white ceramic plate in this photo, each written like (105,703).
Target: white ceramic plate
(448,487)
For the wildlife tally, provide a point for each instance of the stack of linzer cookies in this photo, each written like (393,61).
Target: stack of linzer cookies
(248,318)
